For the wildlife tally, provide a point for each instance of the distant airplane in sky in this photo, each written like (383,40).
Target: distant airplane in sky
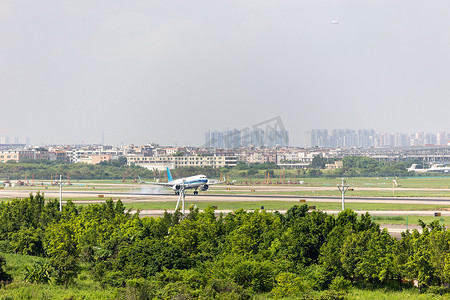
(193,182)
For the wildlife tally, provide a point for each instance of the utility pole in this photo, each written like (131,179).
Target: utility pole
(60,192)
(343,188)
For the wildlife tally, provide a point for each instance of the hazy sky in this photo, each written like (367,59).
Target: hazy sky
(167,71)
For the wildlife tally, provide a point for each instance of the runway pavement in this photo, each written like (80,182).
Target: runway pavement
(149,197)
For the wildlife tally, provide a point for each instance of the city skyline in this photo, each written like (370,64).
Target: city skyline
(368,138)
(334,138)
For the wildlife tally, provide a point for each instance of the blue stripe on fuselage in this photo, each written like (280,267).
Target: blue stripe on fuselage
(197,181)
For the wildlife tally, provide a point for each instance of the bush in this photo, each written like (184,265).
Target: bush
(38,273)
(138,289)
(220,289)
(288,284)
(65,269)
(339,283)
(3,275)
(438,290)
(331,295)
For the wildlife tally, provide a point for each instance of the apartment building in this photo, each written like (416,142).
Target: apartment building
(94,159)
(172,162)
(15,155)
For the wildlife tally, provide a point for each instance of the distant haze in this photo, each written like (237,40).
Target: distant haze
(168,71)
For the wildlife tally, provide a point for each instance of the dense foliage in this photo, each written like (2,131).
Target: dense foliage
(363,165)
(231,256)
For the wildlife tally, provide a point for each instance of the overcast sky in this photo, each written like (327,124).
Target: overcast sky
(167,71)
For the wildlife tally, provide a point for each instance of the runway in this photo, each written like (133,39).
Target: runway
(77,196)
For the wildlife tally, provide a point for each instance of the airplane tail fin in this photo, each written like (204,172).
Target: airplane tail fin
(169,176)
(413,167)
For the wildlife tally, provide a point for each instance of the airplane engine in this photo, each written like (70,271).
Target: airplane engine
(176,187)
(205,187)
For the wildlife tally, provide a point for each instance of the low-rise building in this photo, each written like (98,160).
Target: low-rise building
(94,159)
(15,155)
(336,165)
(58,156)
(172,162)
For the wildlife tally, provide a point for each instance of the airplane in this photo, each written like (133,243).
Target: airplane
(434,168)
(193,182)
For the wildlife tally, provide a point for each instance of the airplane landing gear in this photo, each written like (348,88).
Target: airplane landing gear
(195,192)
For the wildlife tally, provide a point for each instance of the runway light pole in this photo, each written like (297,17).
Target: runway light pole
(343,188)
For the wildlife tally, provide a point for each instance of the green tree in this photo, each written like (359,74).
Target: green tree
(62,246)
(254,231)
(318,162)
(301,242)
(28,241)
(4,276)
(66,268)
(144,258)
(201,234)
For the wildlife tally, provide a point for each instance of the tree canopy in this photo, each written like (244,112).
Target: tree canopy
(242,253)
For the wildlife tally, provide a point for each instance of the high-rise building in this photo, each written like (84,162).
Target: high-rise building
(367,138)
(318,137)
(236,138)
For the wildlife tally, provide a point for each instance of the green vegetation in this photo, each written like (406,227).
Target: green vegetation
(319,162)
(43,170)
(101,251)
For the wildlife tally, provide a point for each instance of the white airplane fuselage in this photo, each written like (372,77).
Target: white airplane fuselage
(434,168)
(192,182)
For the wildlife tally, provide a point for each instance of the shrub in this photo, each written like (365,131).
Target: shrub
(3,275)
(288,284)
(38,273)
(339,283)
(221,289)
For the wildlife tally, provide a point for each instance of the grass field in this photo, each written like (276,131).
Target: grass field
(355,193)
(84,287)
(359,294)
(386,182)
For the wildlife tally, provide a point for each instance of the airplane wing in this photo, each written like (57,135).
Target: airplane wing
(215,181)
(212,181)
(166,184)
